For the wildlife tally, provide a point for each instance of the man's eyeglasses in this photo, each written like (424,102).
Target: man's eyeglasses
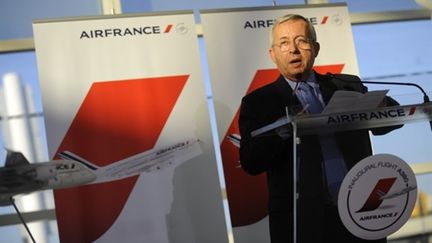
(300,42)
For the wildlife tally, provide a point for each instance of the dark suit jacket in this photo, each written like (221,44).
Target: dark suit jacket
(273,155)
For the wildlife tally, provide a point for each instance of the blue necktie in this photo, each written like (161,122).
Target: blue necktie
(334,166)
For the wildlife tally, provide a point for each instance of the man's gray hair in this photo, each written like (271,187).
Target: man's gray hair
(280,20)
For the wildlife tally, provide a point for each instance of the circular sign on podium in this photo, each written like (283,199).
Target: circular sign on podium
(377,196)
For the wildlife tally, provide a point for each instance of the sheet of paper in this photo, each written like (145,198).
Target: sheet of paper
(343,101)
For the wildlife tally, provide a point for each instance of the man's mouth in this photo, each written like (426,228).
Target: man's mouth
(295,61)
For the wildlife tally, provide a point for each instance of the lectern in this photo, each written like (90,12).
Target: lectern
(344,121)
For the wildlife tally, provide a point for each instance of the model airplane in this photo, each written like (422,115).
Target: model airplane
(18,176)
(396,194)
(234,139)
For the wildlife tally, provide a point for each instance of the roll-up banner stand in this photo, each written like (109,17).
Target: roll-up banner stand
(124,95)
(237,43)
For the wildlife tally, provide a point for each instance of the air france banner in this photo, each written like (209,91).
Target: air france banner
(124,97)
(237,43)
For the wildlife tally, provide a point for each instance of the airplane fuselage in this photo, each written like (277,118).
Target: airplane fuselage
(21,177)
(41,176)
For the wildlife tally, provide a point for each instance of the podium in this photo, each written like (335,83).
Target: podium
(352,120)
(313,124)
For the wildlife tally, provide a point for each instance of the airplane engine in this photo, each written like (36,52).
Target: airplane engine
(43,173)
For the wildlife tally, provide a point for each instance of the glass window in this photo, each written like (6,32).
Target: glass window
(134,6)
(17,16)
(400,52)
(396,51)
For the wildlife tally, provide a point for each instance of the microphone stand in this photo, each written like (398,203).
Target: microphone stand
(425,96)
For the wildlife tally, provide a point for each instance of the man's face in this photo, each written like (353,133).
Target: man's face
(293,57)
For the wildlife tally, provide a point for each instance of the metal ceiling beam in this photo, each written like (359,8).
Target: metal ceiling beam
(16,45)
(390,16)
(13,219)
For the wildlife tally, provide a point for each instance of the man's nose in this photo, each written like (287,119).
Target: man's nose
(293,48)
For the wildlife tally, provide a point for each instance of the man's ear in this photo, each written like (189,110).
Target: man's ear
(316,46)
(272,54)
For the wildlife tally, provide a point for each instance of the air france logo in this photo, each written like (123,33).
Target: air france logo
(147,30)
(377,196)
(268,23)
(368,116)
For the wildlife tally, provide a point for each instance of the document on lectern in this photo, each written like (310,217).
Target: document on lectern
(343,100)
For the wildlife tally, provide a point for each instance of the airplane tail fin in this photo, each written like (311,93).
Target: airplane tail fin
(67,155)
(14,158)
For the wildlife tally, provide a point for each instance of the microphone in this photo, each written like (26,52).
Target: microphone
(333,76)
(425,96)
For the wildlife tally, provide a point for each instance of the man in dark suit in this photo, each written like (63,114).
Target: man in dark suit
(293,49)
